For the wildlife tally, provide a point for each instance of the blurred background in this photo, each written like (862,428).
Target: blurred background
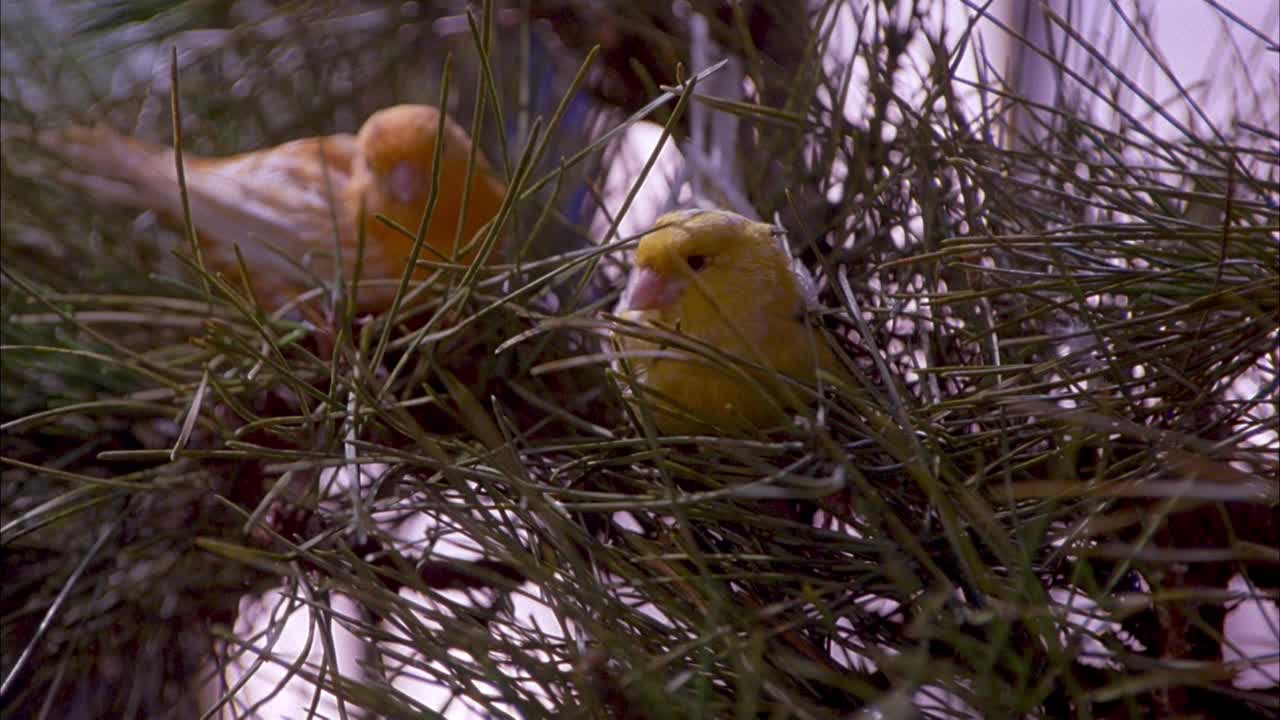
(1045,236)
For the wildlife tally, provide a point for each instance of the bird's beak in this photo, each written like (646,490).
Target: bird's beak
(406,182)
(650,290)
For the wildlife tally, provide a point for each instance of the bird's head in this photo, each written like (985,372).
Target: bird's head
(695,257)
(398,144)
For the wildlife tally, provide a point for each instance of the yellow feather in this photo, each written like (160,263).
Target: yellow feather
(720,280)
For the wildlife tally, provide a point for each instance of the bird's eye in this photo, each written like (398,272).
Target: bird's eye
(697,262)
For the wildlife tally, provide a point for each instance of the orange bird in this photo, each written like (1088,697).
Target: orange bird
(277,207)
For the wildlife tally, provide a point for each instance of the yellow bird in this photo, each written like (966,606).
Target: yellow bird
(724,282)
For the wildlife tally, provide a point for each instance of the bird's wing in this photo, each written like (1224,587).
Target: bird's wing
(271,201)
(273,192)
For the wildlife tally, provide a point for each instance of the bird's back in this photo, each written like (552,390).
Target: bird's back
(291,209)
(276,205)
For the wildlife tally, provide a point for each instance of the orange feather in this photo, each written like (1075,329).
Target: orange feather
(277,207)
